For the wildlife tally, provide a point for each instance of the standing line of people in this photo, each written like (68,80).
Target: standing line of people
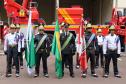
(97,46)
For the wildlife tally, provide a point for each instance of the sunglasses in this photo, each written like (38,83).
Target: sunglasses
(41,30)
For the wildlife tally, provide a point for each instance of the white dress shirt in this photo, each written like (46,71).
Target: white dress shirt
(10,39)
(20,41)
(111,42)
(100,40)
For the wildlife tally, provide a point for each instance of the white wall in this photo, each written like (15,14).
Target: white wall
(121,3)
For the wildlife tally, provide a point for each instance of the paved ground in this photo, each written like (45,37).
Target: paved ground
(24,78)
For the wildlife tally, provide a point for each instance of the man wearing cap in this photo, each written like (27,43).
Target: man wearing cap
(11,50)
(100,39)
(68,49)
(20,45)
(42,51)
(62,31)
(111,50)
(91,47)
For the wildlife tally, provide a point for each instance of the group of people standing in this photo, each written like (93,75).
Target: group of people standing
(104,47)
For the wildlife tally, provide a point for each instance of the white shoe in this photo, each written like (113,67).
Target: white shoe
(17,75)
(77,66)
(46,75)
(84,75)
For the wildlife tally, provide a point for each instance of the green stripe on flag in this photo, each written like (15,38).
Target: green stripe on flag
(56,50)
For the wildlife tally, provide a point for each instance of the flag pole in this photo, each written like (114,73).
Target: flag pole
(57,6)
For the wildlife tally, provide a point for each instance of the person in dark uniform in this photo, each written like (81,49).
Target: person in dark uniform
(11,50)
(91,46)
(63,25)
(99,54)
(42,51)
(111,50)
(68,48)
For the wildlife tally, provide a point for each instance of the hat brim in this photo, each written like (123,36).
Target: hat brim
(40,29)
(89,28)
(99,32)
(13,28)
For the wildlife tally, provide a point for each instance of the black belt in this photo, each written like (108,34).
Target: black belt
(90,48)
(113,50)
(41,49)
(12,46)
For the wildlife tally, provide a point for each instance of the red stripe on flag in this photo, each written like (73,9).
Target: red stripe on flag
(82,44)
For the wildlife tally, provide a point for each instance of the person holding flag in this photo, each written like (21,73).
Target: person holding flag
(42,51)
(91,46)
(63,25)
(68,48)
(81,49)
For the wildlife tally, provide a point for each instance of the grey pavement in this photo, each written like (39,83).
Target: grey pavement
(26,79)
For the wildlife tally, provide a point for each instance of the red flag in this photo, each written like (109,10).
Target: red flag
(5,30)
(81,47)
(114,16)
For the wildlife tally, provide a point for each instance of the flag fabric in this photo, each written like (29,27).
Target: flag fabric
(81,47)
(56,51)
(5,30)
(30,50)
(114,16)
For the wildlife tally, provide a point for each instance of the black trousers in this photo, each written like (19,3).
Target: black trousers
(20,54)
(44,62)
(69,58)
(91,56)
(99,55)
(111,55)
(12,52)
(20,58)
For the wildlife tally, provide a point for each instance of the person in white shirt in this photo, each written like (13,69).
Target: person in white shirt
(111,50)
(20,45)
(100,39)
(11,50)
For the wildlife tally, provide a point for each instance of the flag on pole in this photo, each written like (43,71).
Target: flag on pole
(56,50)
(30,50)
(5,30)
(81,47)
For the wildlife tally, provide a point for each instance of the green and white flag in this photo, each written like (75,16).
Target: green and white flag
(30,50)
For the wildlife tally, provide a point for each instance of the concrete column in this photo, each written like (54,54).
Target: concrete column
(106,10)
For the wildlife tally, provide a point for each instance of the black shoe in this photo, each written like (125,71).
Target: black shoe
(72,75)
(95,75)
(13,67)
(83,75)
(96,66)
(62,74)
(8,75)
(67,66)
(46,75)
(102,67)
(105,75)
(118,76)
(36,75)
